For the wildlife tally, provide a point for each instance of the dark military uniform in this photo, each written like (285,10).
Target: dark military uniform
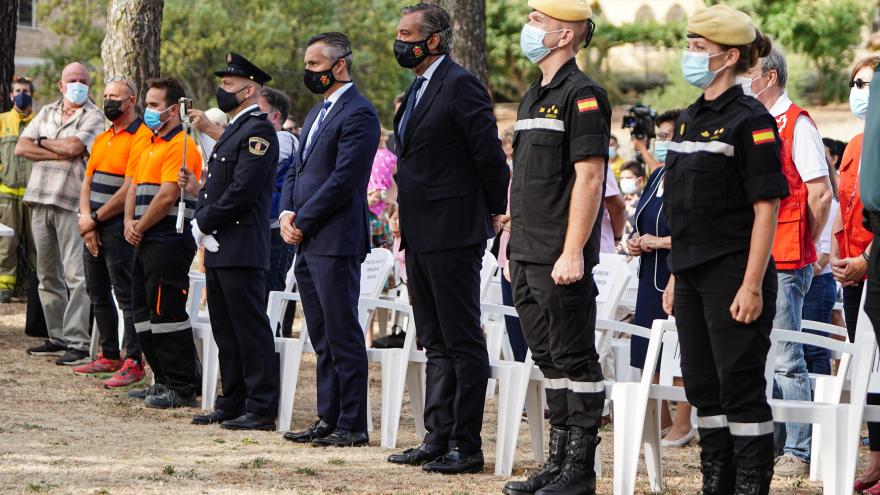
(725,156)
(234,207)
(558,125)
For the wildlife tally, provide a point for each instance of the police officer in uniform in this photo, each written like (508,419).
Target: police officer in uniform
(723,184)
(232,222)
(561,156)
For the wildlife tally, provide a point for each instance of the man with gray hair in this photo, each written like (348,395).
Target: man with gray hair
(453,179)
(802,216)
(59,141)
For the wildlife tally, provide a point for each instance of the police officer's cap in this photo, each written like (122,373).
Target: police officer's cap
(236,65)
(564,10)
(723,25)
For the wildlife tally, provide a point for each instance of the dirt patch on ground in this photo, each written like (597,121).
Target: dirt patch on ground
(60,433)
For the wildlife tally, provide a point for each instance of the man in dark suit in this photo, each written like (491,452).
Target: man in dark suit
(232,222)
(452,190)
(324,211)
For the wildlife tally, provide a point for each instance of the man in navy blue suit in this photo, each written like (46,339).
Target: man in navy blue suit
(452,177)
(324,211)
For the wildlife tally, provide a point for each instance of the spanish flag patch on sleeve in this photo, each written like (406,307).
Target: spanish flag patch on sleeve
(764,136)
(587,105)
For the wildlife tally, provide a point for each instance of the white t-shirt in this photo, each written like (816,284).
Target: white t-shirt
(824,244)
(606,242)
(807,149)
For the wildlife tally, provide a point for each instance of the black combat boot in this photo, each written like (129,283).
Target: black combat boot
(548,472)
(753,481)
(578,476)
(718,477)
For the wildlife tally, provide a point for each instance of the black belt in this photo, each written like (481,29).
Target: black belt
(872,221)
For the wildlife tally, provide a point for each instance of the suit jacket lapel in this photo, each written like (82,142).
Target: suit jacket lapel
(434,85)
(307,128)
(399,115)
(335,110)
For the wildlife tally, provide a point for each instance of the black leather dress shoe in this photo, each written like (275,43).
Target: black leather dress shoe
(343,438)
(417,456)
(249,421)
(318,429)
(454,462)
(217,416)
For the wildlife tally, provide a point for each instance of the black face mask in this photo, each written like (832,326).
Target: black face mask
(227,101)
(411,53)
(318,82)
(113,109)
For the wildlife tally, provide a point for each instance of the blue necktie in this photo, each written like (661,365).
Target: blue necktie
(410,106)
(316,127)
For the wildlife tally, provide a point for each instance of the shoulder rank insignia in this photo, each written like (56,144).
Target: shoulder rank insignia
(258,146)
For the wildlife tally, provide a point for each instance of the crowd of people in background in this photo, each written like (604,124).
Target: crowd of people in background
(94,209)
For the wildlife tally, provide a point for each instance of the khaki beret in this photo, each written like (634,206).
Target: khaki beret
(564,10)
(723,25)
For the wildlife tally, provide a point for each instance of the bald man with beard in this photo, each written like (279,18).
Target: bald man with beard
(58,141)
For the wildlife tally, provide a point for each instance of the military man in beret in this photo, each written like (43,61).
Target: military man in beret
(561,155)
(232,222)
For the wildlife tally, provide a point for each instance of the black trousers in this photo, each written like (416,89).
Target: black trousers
(559,322)
(444,288)
(160,284)
(248,363)
(106,274)
(722,361)
(330,286)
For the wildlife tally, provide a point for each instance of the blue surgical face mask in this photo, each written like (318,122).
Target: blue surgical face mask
(531,41)
(153,118)
(858,102)
(695,67)
(76,93)
(661,148)
(612,153)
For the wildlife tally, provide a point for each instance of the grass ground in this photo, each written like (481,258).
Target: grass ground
(61,433)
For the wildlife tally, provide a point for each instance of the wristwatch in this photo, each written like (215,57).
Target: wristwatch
(94,217)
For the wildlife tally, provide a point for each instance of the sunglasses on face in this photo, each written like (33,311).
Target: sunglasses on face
(858,83)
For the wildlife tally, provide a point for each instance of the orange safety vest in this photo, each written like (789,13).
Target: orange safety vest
(793,247)
(854,238)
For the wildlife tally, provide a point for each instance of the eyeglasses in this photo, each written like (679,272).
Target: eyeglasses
(17,78)
(859,84)
(128,83)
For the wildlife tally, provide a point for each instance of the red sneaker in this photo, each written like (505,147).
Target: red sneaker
(132,372)
(99,366)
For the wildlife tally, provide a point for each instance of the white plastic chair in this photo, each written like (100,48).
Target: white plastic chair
(862,376)
(611,277)
(826,413)
(201,327)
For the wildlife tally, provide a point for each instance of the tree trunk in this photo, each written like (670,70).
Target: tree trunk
(8,31)
(131,45)
(469,32)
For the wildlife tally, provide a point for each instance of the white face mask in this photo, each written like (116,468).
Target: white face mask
(628,186)
(858,102)
(746,84)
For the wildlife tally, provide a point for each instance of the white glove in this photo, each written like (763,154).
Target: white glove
(211,243)
(197,234)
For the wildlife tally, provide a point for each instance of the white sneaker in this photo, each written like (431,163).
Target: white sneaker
(789,466)
(681,442)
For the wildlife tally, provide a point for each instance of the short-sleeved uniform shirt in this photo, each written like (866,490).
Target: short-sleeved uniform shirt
(58,182)
(557,125)
(160,162)
(114,157)
(724,157)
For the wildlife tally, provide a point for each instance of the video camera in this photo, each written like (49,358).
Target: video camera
(640,119)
